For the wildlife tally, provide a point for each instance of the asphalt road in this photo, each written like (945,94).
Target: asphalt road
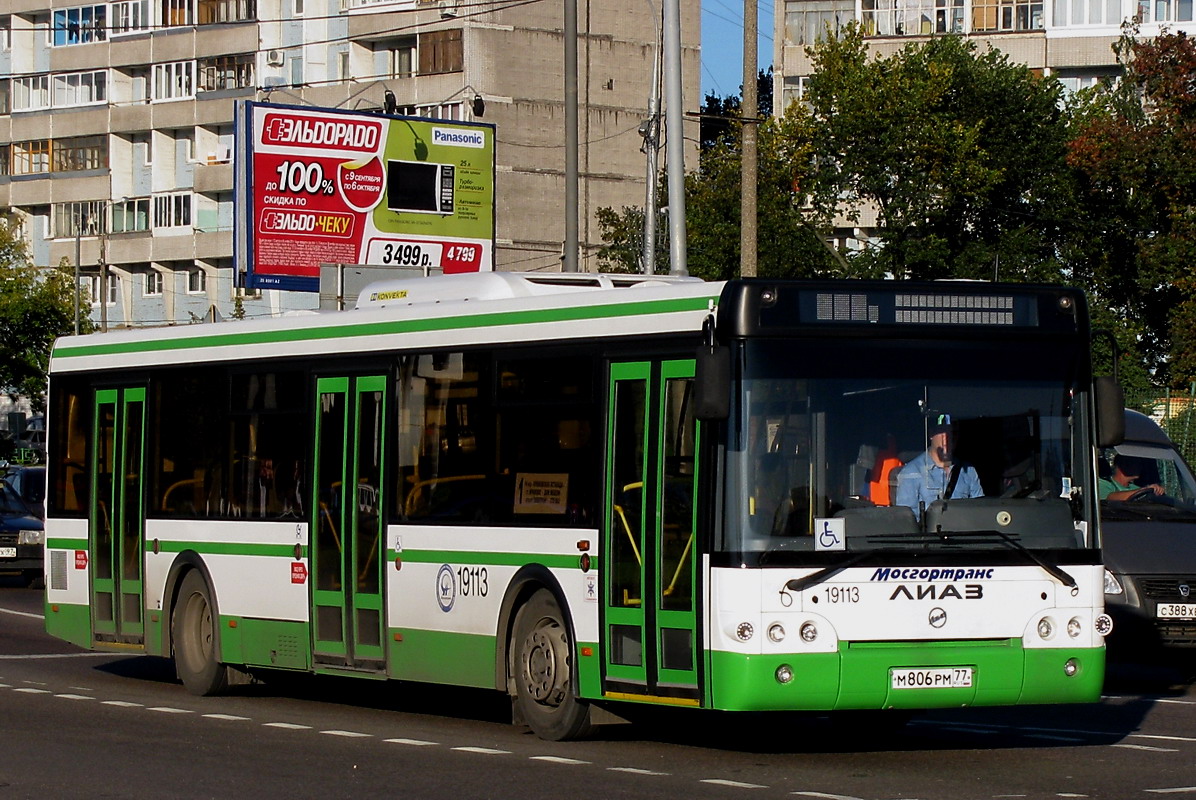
(87,725)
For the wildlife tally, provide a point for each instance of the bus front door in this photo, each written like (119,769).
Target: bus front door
(650,642)
(348,529)
(116,518)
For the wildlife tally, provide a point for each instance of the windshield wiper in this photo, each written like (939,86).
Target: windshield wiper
(815,578)
(1058,573)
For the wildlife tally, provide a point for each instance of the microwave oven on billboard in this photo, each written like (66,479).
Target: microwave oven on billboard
(419,186)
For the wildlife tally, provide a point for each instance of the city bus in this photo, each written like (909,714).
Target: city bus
(597,492)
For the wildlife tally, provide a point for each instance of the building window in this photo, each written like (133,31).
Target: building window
(215,11)
(402,57)
(174,81)
(80,153)
(441,51)
(5,159)
(197,281)
(153,283)
(807,21)
(1006,15)
(913,17)
(84,218)
(172,210)
(80,88)
(80,25)
(130,16)
(31,93)
(1067,13)
(31,158)
(226,72)
(176,12)
(793,90)
(1164,10)
(93,289)
(130,215)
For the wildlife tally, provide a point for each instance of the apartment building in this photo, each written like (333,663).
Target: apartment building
(117,140)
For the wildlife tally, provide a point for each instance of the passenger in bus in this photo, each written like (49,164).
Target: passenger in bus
(267,489)
(1123,483)
(934,475)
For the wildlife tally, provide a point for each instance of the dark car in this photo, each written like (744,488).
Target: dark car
(1149,541)
(22,536)
(30,484)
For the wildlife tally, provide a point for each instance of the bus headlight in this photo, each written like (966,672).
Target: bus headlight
(1046,628)
(1112,585)
(31,537)
(744,632)
(776,632)
(1074,627)
(1103,624)
(809,632)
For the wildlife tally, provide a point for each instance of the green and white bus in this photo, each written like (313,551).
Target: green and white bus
(589,491)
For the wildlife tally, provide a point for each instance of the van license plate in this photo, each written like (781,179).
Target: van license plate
(931,678)
(8,552)
(1176,611)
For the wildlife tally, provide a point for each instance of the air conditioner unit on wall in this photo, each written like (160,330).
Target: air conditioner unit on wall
(275,58)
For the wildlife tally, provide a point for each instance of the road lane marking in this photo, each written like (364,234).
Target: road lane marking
(16,613)
(826,796)
(636,771)
(558,760)
(1146,747)
(732,784)
(486,751)
(227,717)
(169,710)
(1176,790)
(31,690)
(74,697)
(347,734)
(412,742)
(290,726)
(1164,738)
(123,704)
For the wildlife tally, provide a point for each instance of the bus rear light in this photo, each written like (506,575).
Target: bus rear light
(776,632)
(1103,624)
(808,632)
(1046,628)
(744,632)
(1074,627)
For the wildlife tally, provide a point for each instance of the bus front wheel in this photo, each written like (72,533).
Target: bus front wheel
(544,693)
(194,629)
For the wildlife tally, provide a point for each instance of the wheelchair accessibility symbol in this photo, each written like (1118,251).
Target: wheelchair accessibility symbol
(829,533)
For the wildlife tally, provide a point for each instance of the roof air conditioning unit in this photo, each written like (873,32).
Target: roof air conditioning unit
(275,58)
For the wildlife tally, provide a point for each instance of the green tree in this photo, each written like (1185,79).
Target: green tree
(1134,151)
(959,154)
(36,306)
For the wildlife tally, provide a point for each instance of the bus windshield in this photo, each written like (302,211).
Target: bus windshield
(859,444)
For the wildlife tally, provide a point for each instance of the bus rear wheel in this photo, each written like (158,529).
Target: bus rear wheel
(543,671)
(194,630)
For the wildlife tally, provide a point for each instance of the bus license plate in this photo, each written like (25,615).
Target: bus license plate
(8,552)
(1176,611)
(931,678)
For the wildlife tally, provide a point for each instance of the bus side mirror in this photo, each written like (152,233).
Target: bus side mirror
(712,379)
(1110,412)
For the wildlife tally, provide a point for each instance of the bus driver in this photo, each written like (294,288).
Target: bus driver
(933,475)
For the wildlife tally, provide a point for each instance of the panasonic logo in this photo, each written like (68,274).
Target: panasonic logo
(455,137)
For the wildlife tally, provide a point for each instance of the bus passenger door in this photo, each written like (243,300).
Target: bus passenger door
(649,554)
(347,548)
(117,519)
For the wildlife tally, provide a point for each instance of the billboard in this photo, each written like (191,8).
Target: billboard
(322,186)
